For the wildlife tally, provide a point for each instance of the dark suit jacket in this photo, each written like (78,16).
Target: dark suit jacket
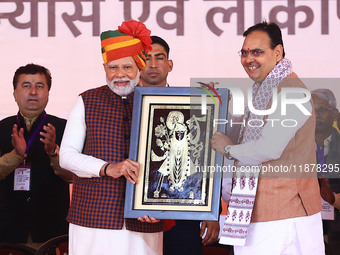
(332,228)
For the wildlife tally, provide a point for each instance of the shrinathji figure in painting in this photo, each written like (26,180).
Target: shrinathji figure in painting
(180,143)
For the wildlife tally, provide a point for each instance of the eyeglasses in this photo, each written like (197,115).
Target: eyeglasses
(254,52)
(128,68)
(322,110)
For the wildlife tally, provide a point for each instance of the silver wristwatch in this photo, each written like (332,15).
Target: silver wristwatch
(227,152)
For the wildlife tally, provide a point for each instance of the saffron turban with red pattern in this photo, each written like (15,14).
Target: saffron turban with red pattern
(131,39)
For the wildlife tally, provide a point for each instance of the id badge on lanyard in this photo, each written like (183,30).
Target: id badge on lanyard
(327,212)
(22,174)
(22,178)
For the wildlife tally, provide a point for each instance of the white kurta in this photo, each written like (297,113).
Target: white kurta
(96,241)
(90,241)
(275,136)
(294,236)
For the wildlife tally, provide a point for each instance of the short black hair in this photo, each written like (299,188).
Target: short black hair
(158,40)
(273,31)
(32,69)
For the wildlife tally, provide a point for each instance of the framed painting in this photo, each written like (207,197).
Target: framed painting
(180,174)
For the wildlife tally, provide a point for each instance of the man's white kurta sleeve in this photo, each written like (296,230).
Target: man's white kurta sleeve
(275,136)
(71,156)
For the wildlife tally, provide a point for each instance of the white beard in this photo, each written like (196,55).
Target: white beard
(123,90)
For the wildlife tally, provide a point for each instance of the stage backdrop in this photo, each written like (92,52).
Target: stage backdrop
(204,36)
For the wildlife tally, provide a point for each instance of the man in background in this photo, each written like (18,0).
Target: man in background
(327,141)
(34,193)
(157,65)
(180,236)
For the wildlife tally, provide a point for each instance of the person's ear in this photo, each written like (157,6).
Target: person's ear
(15,96)
(171,65)
(278,50)
(335,114)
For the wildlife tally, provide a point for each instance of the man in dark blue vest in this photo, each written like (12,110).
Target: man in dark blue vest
(34,196)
